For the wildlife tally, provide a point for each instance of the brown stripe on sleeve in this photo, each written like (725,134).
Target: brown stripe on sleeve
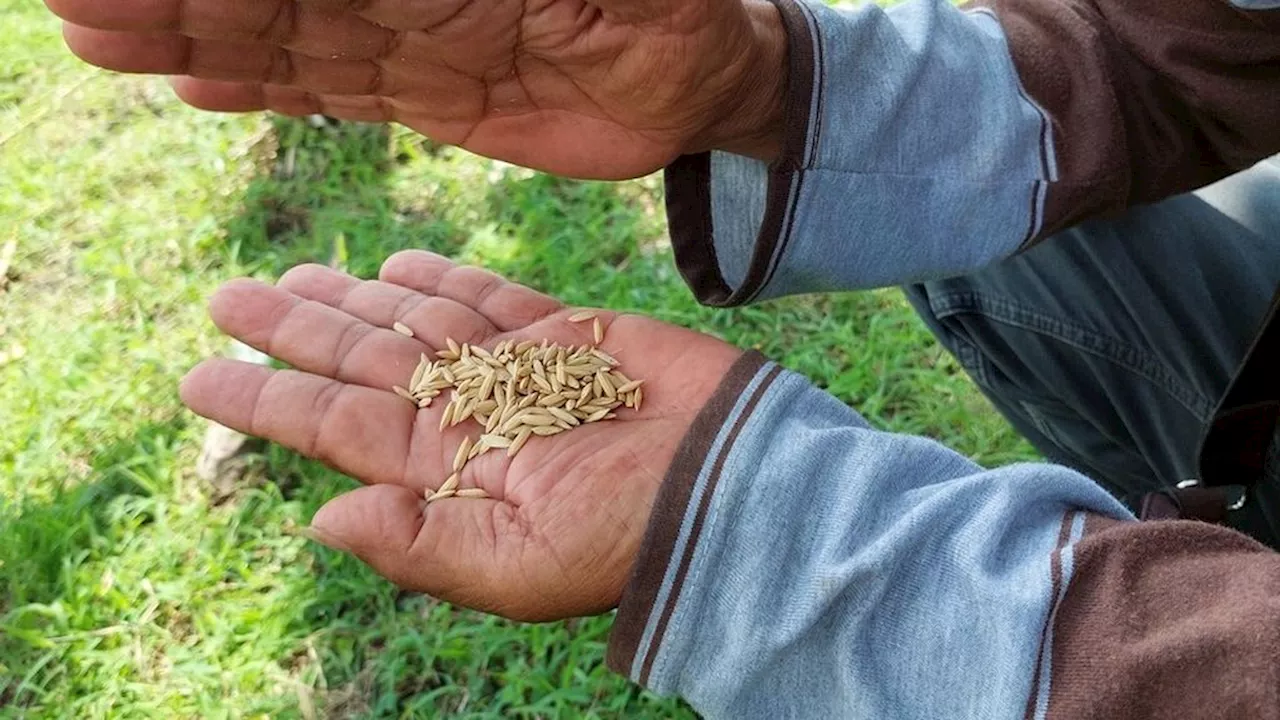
(669,510)
(1167,619)
(1147,98)
(688,183)
(1055,572)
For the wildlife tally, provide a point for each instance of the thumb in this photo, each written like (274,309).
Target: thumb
(444,550)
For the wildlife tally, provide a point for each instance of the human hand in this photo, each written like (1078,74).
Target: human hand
(605,89)
(568,512)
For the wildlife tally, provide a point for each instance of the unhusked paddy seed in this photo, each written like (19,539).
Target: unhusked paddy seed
(518,391)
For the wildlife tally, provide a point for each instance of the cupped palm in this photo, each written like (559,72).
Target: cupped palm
(567,514)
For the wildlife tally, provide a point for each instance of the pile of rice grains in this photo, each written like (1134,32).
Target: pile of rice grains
(517,391)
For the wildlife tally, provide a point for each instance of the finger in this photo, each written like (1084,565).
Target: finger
(305,28)
(314,337)
(172,54)
(445,549)
(223,96)
(316,21)
(432,319)
(362,432)
(506,305)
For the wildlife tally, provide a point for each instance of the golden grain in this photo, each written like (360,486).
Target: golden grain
(563,415)
(598,331)
(442,496)
(583,316)
(496,441)
(522,437)
(542,383)
(403,329)
(486,388)
(606,385)
(460,458)
(536,419)
(628,386)
(508,411)
(462,412)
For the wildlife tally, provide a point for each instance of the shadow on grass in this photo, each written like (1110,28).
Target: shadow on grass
(322,197)
(44,542)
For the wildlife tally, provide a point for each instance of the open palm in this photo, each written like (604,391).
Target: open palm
(568,512)
(587,88)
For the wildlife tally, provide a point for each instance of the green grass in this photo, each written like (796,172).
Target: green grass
(127,589)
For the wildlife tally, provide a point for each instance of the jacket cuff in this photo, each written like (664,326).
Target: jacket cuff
(762,192)
(910,152)
(678,514)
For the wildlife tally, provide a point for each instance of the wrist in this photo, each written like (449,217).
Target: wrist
(752,120)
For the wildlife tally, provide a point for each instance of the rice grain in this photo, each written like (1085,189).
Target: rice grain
(460,458)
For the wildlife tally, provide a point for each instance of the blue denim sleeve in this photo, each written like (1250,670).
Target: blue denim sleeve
(927,140)
(911,152)
(801,564)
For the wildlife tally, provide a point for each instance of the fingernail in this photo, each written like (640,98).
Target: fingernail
(315,534)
